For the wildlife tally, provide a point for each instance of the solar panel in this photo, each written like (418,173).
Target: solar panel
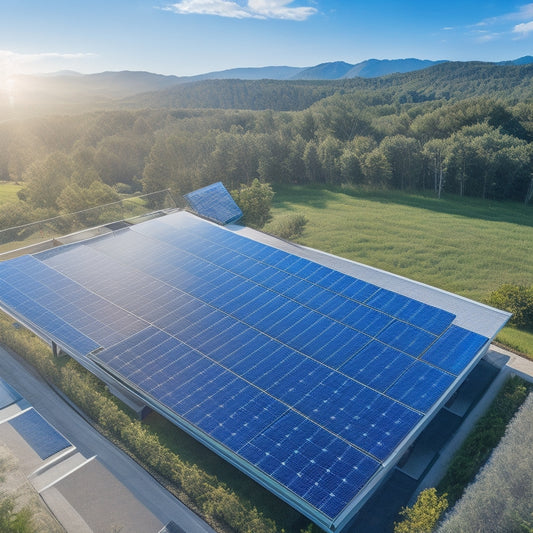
(214,202)
(39,434)
(306,376)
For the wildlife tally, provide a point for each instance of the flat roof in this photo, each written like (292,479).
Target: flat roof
(309,372)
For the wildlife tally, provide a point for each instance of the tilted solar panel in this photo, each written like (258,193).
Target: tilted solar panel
(214,202)
(306,378)
(39,434)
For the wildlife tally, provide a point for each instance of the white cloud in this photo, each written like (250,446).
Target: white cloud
(258,9)
(524,29)
(525,12)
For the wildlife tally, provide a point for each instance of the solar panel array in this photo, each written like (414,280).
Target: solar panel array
(308,376)
(214,202)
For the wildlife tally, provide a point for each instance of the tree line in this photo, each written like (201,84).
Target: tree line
(477,146)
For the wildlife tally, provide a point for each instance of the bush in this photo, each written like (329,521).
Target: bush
(424,514)
(517,299)
(287,226)
(255,202)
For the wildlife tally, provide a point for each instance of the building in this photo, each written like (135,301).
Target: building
(310,373)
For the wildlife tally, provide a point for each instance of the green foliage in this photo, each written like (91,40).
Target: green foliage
(517,299)
(424,514)
(288,226)
(255,201)
(484,438)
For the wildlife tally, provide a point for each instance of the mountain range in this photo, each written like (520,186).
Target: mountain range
(72,91)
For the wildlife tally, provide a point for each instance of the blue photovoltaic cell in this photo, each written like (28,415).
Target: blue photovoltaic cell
(406,338)
(312,376)
(39,434)
(425,316)
(420,386)
(377,365)
(8,394)
(215,203)
(455,349)
(311,462)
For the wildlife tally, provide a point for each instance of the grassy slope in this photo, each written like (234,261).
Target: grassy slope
(466,246)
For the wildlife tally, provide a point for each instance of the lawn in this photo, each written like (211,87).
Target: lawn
(463,245)
(8,192)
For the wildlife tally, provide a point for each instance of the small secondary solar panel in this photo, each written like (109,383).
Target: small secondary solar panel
(214,202)
(308,379)
(39,434)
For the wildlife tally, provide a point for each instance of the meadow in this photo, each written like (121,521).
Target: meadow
(8,191)
(467,246)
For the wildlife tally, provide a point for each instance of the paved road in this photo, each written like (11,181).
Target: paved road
(89,442)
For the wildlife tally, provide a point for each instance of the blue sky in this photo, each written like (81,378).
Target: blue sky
(187,37)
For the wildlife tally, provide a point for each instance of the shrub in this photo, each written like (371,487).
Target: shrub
(424,514)
(288,226)
(517,299)
(255,202)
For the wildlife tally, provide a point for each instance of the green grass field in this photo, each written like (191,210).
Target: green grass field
(463,245)
(8,191)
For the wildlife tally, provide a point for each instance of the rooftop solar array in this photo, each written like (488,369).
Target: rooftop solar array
(214,202)
(39,434)
(306,378)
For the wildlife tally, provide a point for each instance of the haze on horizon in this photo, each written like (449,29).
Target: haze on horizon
(188,37)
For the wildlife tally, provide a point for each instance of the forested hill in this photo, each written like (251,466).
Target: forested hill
(463,128)
(449,81)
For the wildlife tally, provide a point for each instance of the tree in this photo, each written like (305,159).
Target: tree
(377,169)
(47,178)
(403,155)
(329,151)
(313,169)
(424,514)
(255,203)
(434,152)
(74,199)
